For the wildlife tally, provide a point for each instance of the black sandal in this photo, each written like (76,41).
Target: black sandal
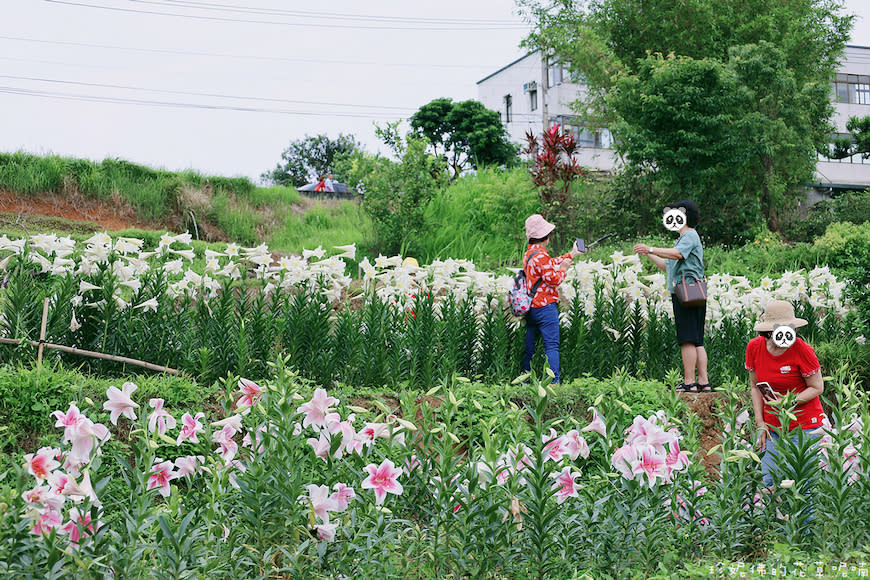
(705,388)
(684,388)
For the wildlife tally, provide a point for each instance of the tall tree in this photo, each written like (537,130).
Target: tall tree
(777,58)
(306,159)
(465,134)
(396,193)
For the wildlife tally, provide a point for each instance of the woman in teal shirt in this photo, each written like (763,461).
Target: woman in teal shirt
(686,258)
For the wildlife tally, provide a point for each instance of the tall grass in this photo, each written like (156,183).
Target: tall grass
(153,192)
(480,217)
(327,224)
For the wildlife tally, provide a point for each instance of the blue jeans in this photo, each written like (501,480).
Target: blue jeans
(768,460)
(543,321)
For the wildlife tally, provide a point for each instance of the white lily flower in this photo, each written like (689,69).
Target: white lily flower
(348,251)
(150,304)
(318,253)
(87,286)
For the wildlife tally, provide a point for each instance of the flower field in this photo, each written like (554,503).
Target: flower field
(209,313)
(286,485)
(300,473)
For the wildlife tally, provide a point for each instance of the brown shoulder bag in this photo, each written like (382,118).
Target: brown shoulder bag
(692,293)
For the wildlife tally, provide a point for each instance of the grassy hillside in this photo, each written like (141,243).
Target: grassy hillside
(219,208)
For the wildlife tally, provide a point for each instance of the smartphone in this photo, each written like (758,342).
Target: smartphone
(765,389)
(580,245)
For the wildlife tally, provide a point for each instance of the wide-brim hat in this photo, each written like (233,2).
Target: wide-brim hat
(778,313)
(537,227)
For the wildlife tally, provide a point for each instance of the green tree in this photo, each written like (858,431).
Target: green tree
(306,159)
(466,134)
(681,127)
(856,143)
(396,193)
(776,57)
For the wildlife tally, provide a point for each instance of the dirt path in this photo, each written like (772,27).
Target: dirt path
(25,211)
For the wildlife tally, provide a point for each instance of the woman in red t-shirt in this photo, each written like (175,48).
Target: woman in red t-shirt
(787,364)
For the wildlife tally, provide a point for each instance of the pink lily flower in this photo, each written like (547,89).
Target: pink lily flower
(321,501)
(187,465)
(224,438)
(251,393)
(35,495)
(856,425)
(383,479)
(651,465)
(317,408)
(326,532)
(411,463)
(348,435)
(624,460)
(234,421)
(565,485)
(161,474)
(321,445)
(342,496)
(58,480)
(42,463)
(79,526)
(575,445)
(372,431)
(742,418)
(68,419)
(554,447)
(190,426)
(120,403)
(44,496)
(676,460)
(80,491)
(84,436)
(160,420)
(47,521)
(597,425)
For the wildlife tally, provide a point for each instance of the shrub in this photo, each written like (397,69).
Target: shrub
(852,206)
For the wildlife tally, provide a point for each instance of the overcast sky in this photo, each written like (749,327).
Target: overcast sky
(222,86)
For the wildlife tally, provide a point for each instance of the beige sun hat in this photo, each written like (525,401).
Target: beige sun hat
(778,313)
(537,227)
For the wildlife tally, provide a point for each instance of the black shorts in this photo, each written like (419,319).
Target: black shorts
(689,322)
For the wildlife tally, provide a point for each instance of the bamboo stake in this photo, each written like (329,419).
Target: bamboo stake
(92,354)
(42,333)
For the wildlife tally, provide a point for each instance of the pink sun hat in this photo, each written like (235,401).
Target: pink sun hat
(537,227)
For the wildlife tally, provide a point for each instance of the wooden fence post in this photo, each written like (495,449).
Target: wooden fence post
(42,333)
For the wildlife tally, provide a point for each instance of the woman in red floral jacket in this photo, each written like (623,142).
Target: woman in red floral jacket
(543,317)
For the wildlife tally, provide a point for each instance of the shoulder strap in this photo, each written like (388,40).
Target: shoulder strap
(537,284)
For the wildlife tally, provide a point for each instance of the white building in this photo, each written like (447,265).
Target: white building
(531,94)
(851,97)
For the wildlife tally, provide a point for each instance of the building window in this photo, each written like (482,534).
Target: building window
(533,100)
(555,73)
(852,89)
(508,106)
(587,137)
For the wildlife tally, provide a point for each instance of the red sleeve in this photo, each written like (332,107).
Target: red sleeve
(751,352)
(807,359)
